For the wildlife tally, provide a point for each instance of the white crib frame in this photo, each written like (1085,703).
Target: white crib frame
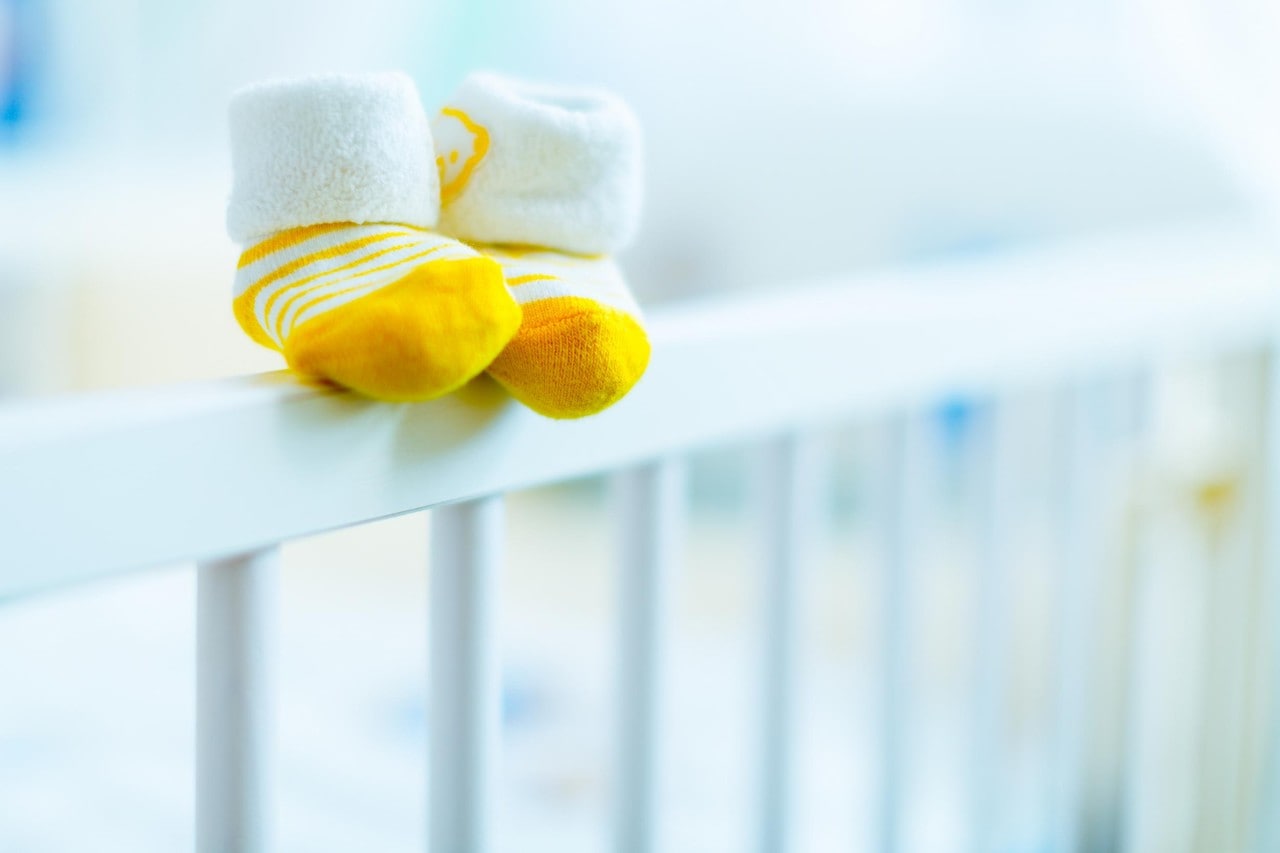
(95,485)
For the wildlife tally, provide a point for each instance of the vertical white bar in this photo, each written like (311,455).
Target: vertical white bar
(235,609)
(1079,538)
(1234,734)
(902,492)
(1267,828)
(464,713)
(1139,696)
(998,472)
(789,488)
(650,512)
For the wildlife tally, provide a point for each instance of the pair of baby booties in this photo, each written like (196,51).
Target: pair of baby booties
(401,257)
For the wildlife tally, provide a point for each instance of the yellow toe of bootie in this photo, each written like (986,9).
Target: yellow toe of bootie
(580,347)
(393,312)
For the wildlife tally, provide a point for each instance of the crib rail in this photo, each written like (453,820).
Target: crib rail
(96,485)
(102,483)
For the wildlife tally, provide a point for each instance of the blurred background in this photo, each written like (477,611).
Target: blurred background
(784,141)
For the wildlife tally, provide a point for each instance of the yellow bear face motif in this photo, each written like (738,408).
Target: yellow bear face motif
(462,144)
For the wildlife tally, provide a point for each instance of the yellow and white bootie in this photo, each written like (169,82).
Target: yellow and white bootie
(546,181)
(335,192)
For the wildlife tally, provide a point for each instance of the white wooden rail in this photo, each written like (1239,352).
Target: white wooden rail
(95,485)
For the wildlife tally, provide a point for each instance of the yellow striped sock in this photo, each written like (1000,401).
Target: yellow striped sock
(581,345)
(392,311)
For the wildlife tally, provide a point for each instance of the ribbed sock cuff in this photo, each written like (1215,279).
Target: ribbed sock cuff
(539,165)
(332,148)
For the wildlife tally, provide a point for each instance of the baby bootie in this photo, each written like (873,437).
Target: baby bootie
(335,190)
(546,181)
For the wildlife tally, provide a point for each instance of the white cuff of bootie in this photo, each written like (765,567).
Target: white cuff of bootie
(332,148)
(538,165)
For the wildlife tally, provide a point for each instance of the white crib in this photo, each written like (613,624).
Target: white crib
(96,485)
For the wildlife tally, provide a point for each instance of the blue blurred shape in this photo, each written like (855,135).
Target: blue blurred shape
(19,36)
(523,703)
(955,416)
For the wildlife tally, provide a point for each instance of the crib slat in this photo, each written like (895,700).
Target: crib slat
(650,511)
(1266,829)
(998,507)
(1078,537)
(1128,414)
(789,491)
(464,713)
(902,493)
(235,609)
